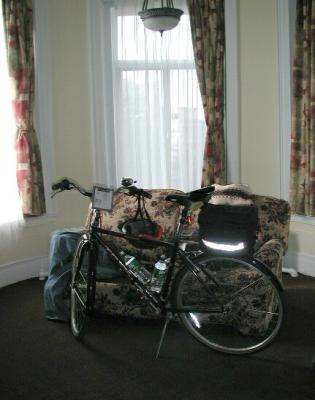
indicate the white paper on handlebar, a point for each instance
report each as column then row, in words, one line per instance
column 102, row 197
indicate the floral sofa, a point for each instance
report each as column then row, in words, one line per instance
column 119, row 297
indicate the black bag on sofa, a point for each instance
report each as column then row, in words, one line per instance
column 142, row 226
column 228, row 229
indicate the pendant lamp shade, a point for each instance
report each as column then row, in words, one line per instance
column 160, row 19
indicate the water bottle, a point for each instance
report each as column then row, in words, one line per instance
column 139, row 271
column 159, row 274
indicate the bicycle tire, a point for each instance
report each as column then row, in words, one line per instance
column 82, row 286
column 233, row 305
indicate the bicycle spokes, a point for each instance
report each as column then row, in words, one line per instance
column 237, row 312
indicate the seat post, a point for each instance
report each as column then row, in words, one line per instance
column 97, row 219
column 182, row 220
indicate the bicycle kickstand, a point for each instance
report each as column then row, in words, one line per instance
column 167, row 320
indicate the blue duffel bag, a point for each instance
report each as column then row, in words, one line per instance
column 57, row 287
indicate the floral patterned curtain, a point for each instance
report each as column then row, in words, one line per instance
column 302, row 185
column 18, row 24
column 208, row 36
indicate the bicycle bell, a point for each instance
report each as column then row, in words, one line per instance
column 127, row 182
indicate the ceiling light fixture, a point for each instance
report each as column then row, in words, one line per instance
column 160, row 19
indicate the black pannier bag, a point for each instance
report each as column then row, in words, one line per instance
column 231, row 230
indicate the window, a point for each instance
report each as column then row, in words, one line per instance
column 10, row 205
column 42, row 111
column 157, row 116
column 102, row 74
column 159, row 120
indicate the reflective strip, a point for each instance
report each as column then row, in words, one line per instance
column 223, row 246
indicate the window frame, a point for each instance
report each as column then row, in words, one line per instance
column 43, row 107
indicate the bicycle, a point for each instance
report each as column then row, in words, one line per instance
column 232, row 304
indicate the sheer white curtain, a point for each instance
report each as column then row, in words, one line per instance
column 11, row 216
column 159, row 120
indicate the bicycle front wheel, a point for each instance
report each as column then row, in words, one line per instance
column 229, row 305
column 82, row 286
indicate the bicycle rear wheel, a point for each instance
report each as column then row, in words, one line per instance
column 229, row 305
column 82, row 286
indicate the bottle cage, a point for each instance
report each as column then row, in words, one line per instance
column 141, row 225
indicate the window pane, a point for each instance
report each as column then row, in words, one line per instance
column 159, row 121
column 137, row 43
column 188, row 129
column 141, row 147
column 10, row 204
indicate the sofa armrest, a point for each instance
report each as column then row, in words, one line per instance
column 271, row 253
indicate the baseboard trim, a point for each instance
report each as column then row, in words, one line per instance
column 24, row 269
column 297, row 262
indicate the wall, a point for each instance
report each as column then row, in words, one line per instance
column 70, row 123
column 260, row 165
column 260, row 149
column 260, row 137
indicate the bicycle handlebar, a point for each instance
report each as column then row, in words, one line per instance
column 195, row 195
column 134, row 191
column 68, row 184
column 64, row 184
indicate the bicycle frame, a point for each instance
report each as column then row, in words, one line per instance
column 157, row 301
column 208, row 273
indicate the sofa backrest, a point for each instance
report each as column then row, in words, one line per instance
column 274, row 218
column 162, row 212
column 273, row 213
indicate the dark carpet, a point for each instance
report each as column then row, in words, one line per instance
column 40, row 359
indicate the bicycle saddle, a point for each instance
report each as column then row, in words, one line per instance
column 187, row 198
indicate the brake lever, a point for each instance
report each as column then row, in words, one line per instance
column 54, row 192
